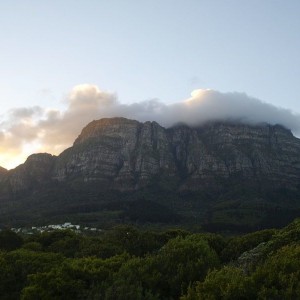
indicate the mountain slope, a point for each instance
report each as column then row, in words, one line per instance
column 215, row 174
column 126, row 154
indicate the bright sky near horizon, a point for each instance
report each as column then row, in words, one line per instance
column 137, row 51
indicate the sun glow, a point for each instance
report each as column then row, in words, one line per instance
column 196, row 95
column 10, row 161
column 13, row 159
column 199, row 93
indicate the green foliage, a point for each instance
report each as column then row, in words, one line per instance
column 144, row 211
column 184, row 260
column 56, row 284
column 276, row 276
column 169, row 272
column 136, row 279
column 137, row 242
column 98, row 247
column 46, row 239
column 9, row 240
column 236, row 207
column 227, row 283
column 15, row 266
column 237, row 245
column 129, row 239
column 215, row 241
column 129, row 263
column 33, row 246
column 74, row 279
column 288, row 235
column 122, row 290
column 279, row 276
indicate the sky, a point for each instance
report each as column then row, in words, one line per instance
column 64, row 63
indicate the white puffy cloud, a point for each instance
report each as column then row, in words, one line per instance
column 34, row 129
column 85, row 97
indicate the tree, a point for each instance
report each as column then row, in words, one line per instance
column 84, row 278
column 9, row 240
column 168, row 273
column 184, row 260
column 226, row 284
column 16, row 265
column 279, row 276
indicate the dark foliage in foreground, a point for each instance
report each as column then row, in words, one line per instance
column 129, row 263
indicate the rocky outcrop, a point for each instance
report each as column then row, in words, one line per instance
column 3, row 172
column 125, row 154
column 261, row 153
column 121, row 152
column 36, row 171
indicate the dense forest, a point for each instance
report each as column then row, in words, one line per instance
column 130, row 263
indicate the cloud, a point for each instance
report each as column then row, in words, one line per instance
column 86, row 97
column 35, row 129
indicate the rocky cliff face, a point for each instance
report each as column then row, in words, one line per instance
column 34, row 173
column 125, row 154
column 3, row 171
column 262, row 153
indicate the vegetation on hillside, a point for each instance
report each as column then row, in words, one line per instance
column 129, row 263
column 240, row 209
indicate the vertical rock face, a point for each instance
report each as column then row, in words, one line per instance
column 223, row 150
column 35, row 171
column 262, row 152
column 125, row 154
column 3, row 172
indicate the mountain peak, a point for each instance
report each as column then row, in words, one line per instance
column 127, row 153
column 105, row 126
column 38, row 157
column 118, row 154
column 3, row 172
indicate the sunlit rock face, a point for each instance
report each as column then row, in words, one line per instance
column 34, row 172
column 124, row 154
column 127, row 154
column 3, row 172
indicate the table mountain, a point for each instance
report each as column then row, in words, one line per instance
column 127, row 156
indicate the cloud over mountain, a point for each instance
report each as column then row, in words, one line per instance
column 35, row 129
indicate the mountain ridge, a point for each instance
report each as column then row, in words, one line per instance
column 175, row 149
column 193, row 167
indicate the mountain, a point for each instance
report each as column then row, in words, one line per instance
column 220, row 174
column 3, row 171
